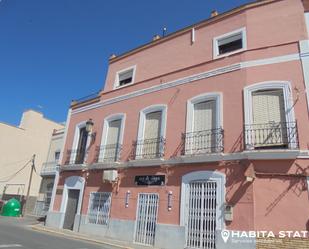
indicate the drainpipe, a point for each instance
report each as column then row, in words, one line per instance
column 82, row 200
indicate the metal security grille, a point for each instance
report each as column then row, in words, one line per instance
column 201, row 224
column 99, row 208
column 146, row 218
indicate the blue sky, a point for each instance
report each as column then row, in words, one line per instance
column 53, row 51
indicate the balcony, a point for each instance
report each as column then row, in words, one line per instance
column 75, row 157
column 49, row 168
column 149, row 148
column 203, row 142
column 108, row 153
column 272, row 135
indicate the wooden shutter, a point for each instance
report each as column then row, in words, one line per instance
column 204, row 116
column 113, row 133
column 268, row 106
column 268, row 128
column 153, row 125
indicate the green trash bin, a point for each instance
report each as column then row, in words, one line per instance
column 11, row 208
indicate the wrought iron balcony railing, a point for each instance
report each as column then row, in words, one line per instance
column 76, row 157
column 108, row 153
column 149, row 148
column 272, row 135
column 203, row 142
column 49, row 168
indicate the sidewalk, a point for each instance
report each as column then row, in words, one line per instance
column 113, row 244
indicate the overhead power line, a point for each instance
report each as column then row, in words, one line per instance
column 8, row 178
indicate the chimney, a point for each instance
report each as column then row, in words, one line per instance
column 214, row 13
column 156, row 37
column 112, row 56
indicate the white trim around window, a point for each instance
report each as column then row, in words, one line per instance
column 285, row 86
column 142, row 119
column 216, row 176
column 107, row 120
column 76, row 139
column 116, row 83
column 216, row 39
column 201, row 98
column 268, row 85
column 72, row 182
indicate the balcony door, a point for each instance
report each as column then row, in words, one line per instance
column 152, row 134
column 112, row 146
column 203, row 136
column 82, row 146
column 269, row 119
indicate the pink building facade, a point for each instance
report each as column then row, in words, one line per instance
column 198, row 132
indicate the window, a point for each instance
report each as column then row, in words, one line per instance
column 204, row 133
column 79, row 151
column 82, row 146
column 57, row 155
column 151, row 134
column 125, row 77
column 112, row 136
column 153, row 125
column 112, row 146
column 99, row 208
column 269, row 123
column 269, row 117
column 230, row 43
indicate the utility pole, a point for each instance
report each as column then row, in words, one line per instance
column 29, row 184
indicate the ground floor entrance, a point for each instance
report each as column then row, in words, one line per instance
column 201, row 225
column 146, row 219
column 71, row 209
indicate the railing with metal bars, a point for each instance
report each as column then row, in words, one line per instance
column 108, row 153
column 49, row 168
column 273, row 135
column 203, row 142
column 149, row 148
column 75, row 157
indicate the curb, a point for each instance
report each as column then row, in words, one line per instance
column 77, row 237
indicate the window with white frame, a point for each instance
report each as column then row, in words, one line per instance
column 204, row 133
column 99, row 208
column 269, row 117
column 151, row 133
column 81, row 149
column 110, row 151
column 229, row 43
column 125, row 77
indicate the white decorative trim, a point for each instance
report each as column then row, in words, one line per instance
column 306, row 16
column 67, row 123
column 192, row 35
column 201, row 98
column 72, row 182
column 107, row 120
column 116, row 83
column 243, row 33
column 191, row 78
column 269, row 61
column 216, row 176
column 267, row 85
column 201, row 158
column 304, row 49
column 308, row 184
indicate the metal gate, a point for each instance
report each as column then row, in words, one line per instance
column 201, row 225
column 146, row 219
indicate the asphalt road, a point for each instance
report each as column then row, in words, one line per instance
column 16, row 233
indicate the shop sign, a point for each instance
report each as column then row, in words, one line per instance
column 150, row 180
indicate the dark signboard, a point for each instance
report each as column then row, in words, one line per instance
column 150, row 180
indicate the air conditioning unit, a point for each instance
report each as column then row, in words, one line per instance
column 110, row 175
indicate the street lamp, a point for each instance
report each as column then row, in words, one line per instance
column 89, row 125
